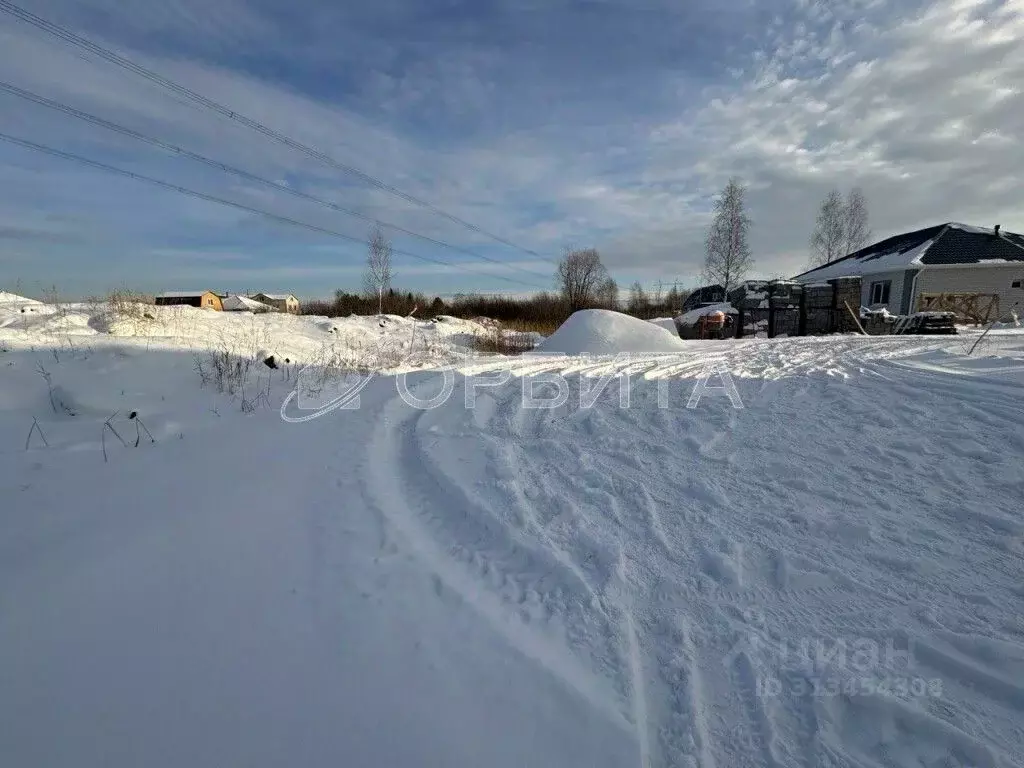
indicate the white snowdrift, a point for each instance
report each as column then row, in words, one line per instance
column 388, row 342
column 237, row 303
column 13, row 298
column 604, row 332
column 665, row 322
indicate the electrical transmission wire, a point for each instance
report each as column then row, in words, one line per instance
column 26, row 144
column 85, row 44
column 138, row 136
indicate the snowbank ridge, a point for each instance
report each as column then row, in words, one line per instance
column 603, row 332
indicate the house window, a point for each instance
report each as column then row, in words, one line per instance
column 209, row 302
column 880, row 292
column 1017, row 283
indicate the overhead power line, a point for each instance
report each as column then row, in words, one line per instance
column 138, row 136
column 85, row 44
column 26, row 144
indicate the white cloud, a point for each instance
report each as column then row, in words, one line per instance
column 922, row 121
column 921, row 108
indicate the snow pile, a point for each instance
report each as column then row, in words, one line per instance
column 385, row 342
column 694, row 315
column 236, row 303
column 665, row 322
column 604, row 332
column 13, row 298
column 13, row 306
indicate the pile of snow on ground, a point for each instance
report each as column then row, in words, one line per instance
column 603, row 332
column 13, row 298
column 385, row 342
column 665, row 322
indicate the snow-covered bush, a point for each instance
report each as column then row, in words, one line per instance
column 222, row 368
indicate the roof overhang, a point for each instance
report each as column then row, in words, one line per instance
column 976, row 264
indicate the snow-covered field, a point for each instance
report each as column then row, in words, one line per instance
column 389, row 341
column 832, row 575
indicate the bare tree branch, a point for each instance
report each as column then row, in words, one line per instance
column 638, row 300
column 377, row 278
column 829, row 238
column 857, row 233
column 580, row 276
column 727, row 253
column 841, row 227
column 608, row 293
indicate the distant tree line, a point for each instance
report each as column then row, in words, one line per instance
column 542, row 311
column 582, row 281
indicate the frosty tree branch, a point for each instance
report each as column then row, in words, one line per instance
column 841, row 227
column 829, row 236
column 727, row 253
column 855, row 219
column 582, row 278
column 377, row 278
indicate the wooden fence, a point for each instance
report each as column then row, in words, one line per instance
column 977, row 308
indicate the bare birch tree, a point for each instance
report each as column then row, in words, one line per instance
column 377, row 278
column 580, row 275
column 727, row 254
column 829, row 238
column 856, row 232
column 608, row 293
column 638, row 301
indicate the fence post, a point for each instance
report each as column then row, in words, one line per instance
column 802, row 322
column 834, row 314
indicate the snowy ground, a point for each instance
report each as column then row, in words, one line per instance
column 387, row 341
column 829, row 576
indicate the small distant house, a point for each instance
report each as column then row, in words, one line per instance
column 235, row 303
column 702, row 297
column 283, row 302
column 202, row 299
column 929, row 268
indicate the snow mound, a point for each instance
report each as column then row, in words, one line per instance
column 13, row 298
column 244, row 304
column 665, row 322
column 604, row 332
column 694, row 315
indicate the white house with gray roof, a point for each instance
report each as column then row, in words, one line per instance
column 283, row 302
column 944, row 259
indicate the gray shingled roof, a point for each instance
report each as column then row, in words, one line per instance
column 950, row 243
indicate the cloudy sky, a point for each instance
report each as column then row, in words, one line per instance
column 547, row 123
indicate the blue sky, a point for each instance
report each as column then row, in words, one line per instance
column 550, row 123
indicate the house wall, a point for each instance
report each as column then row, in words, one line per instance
column 177, row 301
column 212, row 301
column 208, row 300
column 291, row 304
column 895, row 302
column 977, row 278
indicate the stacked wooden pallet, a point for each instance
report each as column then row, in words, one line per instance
column 926, row 323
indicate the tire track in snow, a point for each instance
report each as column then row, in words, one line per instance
column 638, row 689
column 663, row 693
column 685, row 706
column 755, row 709
column 393, row 448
